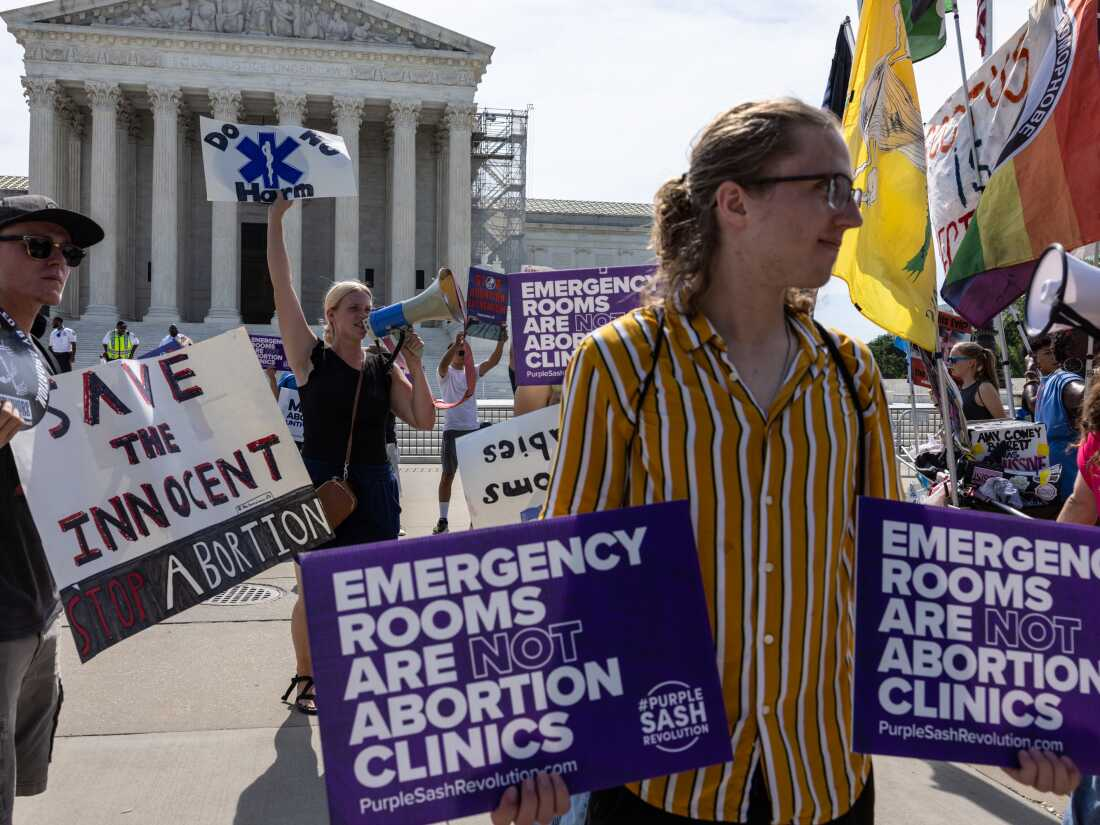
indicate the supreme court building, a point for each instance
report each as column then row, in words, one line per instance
column 115, row 90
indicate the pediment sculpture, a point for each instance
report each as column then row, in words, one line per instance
column 308, row 19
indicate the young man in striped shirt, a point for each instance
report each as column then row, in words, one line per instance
column 724, row 392
column 750, row 419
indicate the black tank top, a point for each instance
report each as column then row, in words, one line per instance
column 971, row 408
column 327, row 398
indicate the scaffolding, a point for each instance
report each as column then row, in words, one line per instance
column 499, row 212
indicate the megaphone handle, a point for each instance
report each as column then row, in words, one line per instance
column 396, row 350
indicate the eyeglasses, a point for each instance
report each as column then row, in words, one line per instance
column 956, row 359
column 40, row 248
column 839, row 193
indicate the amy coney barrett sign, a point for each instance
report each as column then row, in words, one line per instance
column 451, row 667
column 159, row 483
column 258, row 163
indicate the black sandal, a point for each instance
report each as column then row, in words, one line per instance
column 306, row 695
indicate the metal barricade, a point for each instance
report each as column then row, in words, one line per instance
column 910, row 431
column 424, row 446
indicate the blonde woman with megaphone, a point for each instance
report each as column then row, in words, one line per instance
column 346, row 393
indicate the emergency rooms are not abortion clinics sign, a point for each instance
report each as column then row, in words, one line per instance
column 256, row 163
column 157, row 484
column 553, row 311
column 976, row 636
column 451, row 667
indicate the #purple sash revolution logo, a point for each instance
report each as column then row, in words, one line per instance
column 451, row 667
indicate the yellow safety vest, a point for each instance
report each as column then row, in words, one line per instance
column 120, row 345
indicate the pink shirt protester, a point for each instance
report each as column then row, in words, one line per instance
column 1091, row 472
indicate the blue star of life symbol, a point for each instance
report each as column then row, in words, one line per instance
column 267, row 159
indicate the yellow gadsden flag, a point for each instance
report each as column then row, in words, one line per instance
column 888, row 262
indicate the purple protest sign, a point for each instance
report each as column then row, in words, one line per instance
column 269, row 349
column 975, row 636
column 451, row 667
column 486, row 304
column 553, row 311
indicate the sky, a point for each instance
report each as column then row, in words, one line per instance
column 619, row 88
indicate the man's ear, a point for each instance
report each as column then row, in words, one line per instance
column 730, row 201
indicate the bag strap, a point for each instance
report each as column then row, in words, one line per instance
column 846, row 374
column 354, row 414
column 646, row 384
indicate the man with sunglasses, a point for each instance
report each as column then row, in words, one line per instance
column 39, row 245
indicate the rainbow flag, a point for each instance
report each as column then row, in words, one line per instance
column 1035, row 103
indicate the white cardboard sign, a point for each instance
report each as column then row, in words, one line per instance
column 505, row 468
column 158, row 483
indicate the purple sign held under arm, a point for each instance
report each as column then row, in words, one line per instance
column 451, row 667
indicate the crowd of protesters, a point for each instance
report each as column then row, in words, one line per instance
column 723, row 353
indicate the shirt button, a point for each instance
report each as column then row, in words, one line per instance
column 769, row 639
column 769, row 568
column 765, row 710
column 768, row 501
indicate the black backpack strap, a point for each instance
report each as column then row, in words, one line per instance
column 851, row 384
column 646, row 384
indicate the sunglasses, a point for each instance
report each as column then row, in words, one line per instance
column 40, row 248
column 958, row 359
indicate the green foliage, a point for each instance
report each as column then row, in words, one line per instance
column 890, row 360
column 1016, row 351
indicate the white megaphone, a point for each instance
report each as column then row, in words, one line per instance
column 442, row 301
column 1064, row 294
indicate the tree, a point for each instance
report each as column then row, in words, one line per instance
column 890, row 360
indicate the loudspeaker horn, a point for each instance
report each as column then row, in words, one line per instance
column 442, row 301
column 1064, row 294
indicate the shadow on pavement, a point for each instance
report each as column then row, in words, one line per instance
column 1000, row 804
column 290, row 790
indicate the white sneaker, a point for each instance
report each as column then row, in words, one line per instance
column 400, row 531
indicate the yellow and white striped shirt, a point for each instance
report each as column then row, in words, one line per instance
column 772, row 498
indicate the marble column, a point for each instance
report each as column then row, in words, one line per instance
column 74, row 139
column 348, row 114
column 442, row 138
column 459, row 119
column 128, row 136
column 403, row 117
column 225, row 232
column 163, row 306
column 42, row 97
column 185, row 257
column 103, row 257
column 291, row 110
column 58, row 150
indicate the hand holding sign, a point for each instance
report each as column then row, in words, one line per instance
column 24, row 379
column 1045, row 772
column 10, row 423
column 536, row 800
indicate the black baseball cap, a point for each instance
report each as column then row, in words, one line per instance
column 83, row 231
